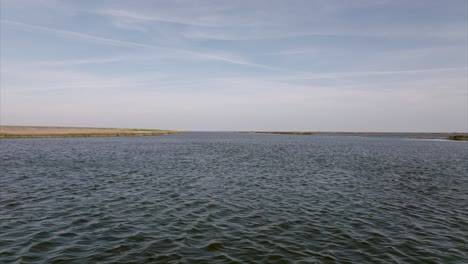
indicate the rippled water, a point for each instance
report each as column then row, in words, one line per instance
column 227, row 197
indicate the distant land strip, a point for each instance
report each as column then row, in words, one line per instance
column 58, row 132
column 420, row 135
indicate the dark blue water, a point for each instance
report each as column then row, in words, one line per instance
column 227, row 197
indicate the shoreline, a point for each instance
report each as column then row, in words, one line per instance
column 453, row 136
column 12, row 132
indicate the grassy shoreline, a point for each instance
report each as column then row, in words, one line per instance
column 416, row 135
column 68, row 132
column 458, row 137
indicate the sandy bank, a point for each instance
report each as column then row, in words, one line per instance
column 46, row 132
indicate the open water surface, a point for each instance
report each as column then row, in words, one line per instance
column 230, row 197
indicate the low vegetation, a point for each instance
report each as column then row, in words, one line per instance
column 458, row 137
column 450, row 136
column 283, row 132
column 52, row 132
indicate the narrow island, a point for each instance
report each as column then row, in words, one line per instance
column 423, row 135
column 459, row 137
column 54, row 132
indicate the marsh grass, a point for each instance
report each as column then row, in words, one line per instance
column 450, row 136
column 53, row 132
column 458, row 137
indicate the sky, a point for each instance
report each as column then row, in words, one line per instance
column 313, row 65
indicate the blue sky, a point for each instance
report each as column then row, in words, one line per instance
column 364, row 65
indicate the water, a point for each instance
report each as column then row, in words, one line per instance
column 227, row 198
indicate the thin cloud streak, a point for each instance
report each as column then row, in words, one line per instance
column 83, row 61
column 129, row 44
column 136, row 16
column 77, row 35
column 367, row 73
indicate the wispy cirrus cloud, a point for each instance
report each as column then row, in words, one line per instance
column 231, row 21
column 334, row 75
column 126, row 16
column 16, row 79
column 77, row 35
column 183, row 53
column 86, row 61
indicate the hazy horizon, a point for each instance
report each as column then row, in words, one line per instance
column 372, row 66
